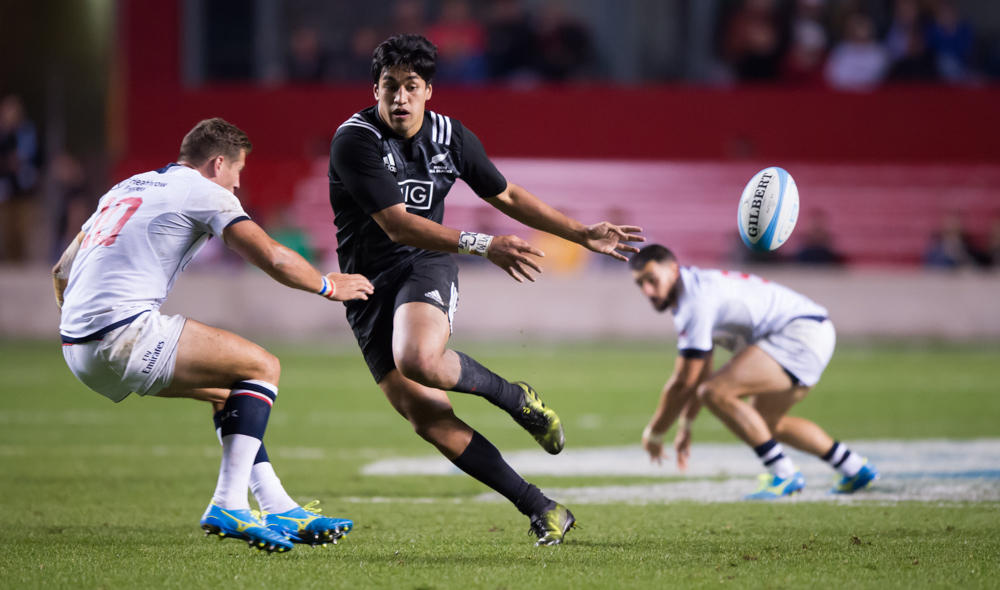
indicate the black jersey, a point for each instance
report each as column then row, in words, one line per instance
column 372, row 168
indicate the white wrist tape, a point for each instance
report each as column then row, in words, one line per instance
column 328, row 288
column 649, row 435
column 473, row 243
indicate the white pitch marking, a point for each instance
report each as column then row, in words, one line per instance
column 921, row 470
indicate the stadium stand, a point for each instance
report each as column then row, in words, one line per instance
column 877, row 214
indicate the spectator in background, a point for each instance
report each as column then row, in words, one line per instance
column 407, row 17
column 817, row 247
column 905, row 22
column 307, row 62
column 917, row 64
column 73, row 202
column 951, row 39
column 858, row 62
column 564, row 44
column 803, row 65
column 461, row 43
column 511, row 49
column 19, row 165
column 354, row 63
column 952, row 247
column 752, row 41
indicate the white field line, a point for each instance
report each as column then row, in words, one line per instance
column 922, row 470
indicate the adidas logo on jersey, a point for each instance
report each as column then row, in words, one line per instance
column 435, row 296
column 390, row 163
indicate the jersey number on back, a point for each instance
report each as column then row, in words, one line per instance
column 110, row 222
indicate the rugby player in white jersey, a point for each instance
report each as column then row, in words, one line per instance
column 111, row 282
column 781, row 343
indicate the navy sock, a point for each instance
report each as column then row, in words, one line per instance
column 261, row 454
column 483, row 461
column 478, row 380
column 247, row 410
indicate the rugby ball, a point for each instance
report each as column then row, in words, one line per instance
column 769, row 209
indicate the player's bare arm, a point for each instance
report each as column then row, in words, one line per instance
column 60, row 272
column 508, row 252
column 604, row 238
column 288, row 267
column 682, row 440
column 678, row 392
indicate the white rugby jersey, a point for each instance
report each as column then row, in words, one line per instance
column 145, row 231
column 732, row 309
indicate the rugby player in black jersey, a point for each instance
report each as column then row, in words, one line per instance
column 391, row 167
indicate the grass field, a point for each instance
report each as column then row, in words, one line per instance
column 96, row 495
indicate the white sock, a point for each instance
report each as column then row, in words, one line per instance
column 843, row 460
column 774, row 458
column 238, row 454
column 268, row 491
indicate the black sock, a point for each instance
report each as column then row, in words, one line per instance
column 478, row 380
column 483, row 461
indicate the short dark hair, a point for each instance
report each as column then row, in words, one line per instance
column 412, row 51
column 652, row 252
column 212, row 138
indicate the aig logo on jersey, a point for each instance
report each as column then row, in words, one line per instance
column 417, row 194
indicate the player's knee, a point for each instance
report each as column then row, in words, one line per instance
column 711, row 394
column 428, row 424
column 268, row 367
column 417, row 365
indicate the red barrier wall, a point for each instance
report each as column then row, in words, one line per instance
column 773, row 124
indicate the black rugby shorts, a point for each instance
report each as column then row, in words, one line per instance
column 432, row 280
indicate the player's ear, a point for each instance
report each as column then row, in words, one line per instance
column 430, row 90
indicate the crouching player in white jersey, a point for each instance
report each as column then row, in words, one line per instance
column 111, row 282
column 781, row 343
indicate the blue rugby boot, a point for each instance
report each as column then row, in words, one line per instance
column 242, row 524
column 862, row 479
column 772, row 487
column 304, row 524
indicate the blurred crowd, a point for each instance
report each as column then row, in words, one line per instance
column 42, row 203
column 845, row 44
column 504, row 42
column 853, row 44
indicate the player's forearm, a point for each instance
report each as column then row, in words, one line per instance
column 424, row 233
column 690, row 412
column 676, row 396
column 519, row 204
column 60, row 272
column 289, row 268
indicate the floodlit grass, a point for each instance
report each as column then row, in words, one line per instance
column 94, row 494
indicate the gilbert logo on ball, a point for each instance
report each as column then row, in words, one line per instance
column 769, row 209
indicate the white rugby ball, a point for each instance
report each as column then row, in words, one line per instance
column 769, row 209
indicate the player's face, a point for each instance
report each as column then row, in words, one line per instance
column 401, row 95
column 227, row 171
column 657, row 280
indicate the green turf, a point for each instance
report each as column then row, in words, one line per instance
column 94, row 494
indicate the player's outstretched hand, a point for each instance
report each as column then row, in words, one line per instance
column 350, row 287
column 653, row 445
column 511, row 254
column 682, row 444
column 607, row 238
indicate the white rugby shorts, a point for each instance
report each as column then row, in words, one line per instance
column 138, row 357
column 803, row 348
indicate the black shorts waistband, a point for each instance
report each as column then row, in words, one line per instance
column 98, row 335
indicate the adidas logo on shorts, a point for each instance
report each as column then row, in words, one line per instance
column 435, row 296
